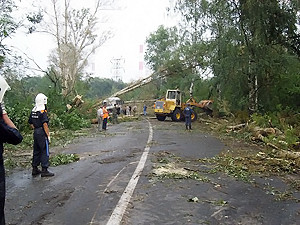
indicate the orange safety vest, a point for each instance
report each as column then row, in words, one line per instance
column 105, row 113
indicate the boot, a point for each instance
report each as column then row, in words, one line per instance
column 35, row 171
column 186, row 127
column 190, row 127
column 46, row 173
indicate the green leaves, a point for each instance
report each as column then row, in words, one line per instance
column 161, row 46
column 62, row 159
column 7, row 26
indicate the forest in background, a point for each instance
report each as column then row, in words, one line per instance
column 244, row 55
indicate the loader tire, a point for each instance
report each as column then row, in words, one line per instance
column 194, row 116
column 160, row 118
column 176, row 116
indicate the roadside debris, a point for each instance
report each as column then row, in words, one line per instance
column 280, row 153
column 194, row 199
column 169, row 166
column 62, row 159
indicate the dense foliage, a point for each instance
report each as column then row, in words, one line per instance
column 99, row 88
column 20, row 103
column 243, row 54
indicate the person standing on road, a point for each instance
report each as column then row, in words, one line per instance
column 99, row 117
column 134, row 110
column 8, row 134
column 145, row 110
column 38, row 121
column 127, row 111
column 105, row 117
column 187, row 112
column 115, row 114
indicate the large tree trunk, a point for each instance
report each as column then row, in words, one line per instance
column 253, row 94
column 76, row 41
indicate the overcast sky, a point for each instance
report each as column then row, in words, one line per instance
column 131, row 21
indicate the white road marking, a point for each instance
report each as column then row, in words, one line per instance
column 117, row 215
column 117, row 176
column 107, row 189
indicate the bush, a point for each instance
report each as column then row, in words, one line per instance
column 261, row 120
column 242, row 116
column 19, row 114
column 62, row 159
column 286, row 121
column 73, row 121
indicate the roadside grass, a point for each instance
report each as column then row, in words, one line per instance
column 62, row 159
column 248, row 158
column 280, row 195
column 20, row 156
column 244, row 164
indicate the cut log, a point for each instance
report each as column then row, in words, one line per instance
column 94, row 121
column 288, row 154
column 237, row 127
column 272, row 146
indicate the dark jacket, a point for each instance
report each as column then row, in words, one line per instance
column 8, row 135
column 187, row 112
column 11, row 136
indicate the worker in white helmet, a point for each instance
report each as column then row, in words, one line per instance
column 8, row 134
column 38, row 120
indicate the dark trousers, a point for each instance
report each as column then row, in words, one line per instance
column 188, row 121
column 40, row 148
column 2, row 192
column 104, row 124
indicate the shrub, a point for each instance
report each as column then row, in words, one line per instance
column 62, row 159
column 73, row 121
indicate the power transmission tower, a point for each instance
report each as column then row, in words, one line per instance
column 117, row 68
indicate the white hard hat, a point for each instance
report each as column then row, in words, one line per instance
column 3, row 87
column 40, row 102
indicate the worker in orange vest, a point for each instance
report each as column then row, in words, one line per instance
column 105, row 117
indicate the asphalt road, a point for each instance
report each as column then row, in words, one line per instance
column 116, row 182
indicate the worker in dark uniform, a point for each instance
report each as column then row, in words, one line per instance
column 187, row 112
column 38, row 120
column 8, row 134
column 115, row 114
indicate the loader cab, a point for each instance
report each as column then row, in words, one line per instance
column 174, row 95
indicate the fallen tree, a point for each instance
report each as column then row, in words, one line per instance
column 264, row 134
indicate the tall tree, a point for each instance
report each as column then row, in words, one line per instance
column 76, row 40
column 7, row 26
column 181, row 52
column 251, row 47
column 193, row 33
column 162, row 56
column 161, row 46
column 250, row 43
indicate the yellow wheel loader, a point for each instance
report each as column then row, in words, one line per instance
column 172, row 106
